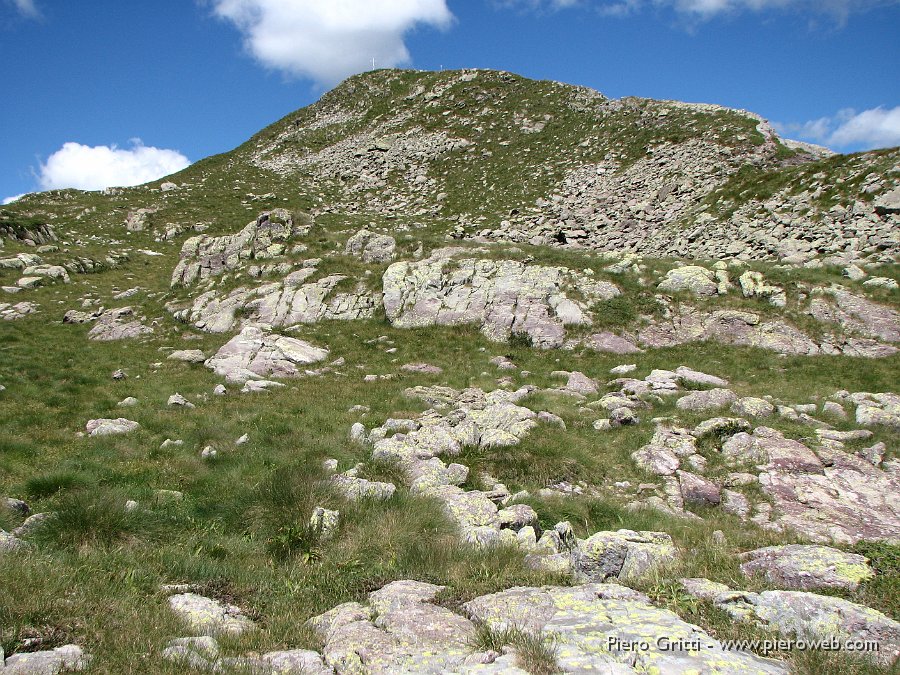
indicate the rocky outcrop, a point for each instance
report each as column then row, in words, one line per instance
column 284, row 303
column 205, row 257
column 593, row 627
column 844, row 500
column 502, row 297
column 35, row 233
column 684, row 324
column 254, row 354
column 856, row 314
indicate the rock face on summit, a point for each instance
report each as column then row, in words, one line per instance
column 501, row 297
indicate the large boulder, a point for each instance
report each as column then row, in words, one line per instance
column 624, row 554
column 254, row 354
column 371, row 247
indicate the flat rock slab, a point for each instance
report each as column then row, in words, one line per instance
column 700, row 401
column 208, row 616
column 605, row 628
column 806, row 567
column 254, row 354
column 843, row 503
column 825, row 617
column 808, row 616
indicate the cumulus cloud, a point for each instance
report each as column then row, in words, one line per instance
column 14, row 198
column 96, row 167
column 869, row 129
column 327, row 41
column 707, row 9
column 26, row 8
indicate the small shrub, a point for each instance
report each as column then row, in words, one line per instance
column 520, row 340
column 292, row 541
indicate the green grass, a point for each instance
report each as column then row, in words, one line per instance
column 241, row 532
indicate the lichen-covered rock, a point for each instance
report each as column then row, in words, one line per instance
column 355, row 489
column 753, row 285
column 751, row 406
column 110, row 427
column 371, row 247
column 624, row 554
column 208, row 616
column 67, row 658
column 612, row 629
column 824, row 618
column 502, row 297
column 692, row 278
column 410, row 634
column 807, row 567
column 873, row 410
column 254, row 354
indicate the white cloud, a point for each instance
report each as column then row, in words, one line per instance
column 707, row 9
column 329, row 40
column 869, row 129
column 94, row 168
column 27, row 8
column 14, row 198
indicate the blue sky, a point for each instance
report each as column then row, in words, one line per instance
column 82, row 81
